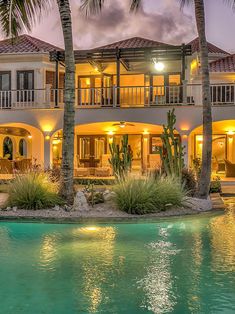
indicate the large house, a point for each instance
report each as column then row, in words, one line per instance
column 126, row 87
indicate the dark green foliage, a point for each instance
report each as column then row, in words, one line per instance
column 215, row 186
column 121, row 158
column 172, row 151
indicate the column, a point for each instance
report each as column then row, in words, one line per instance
column 184, row 140
column 47, row 151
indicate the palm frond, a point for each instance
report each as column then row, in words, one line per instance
column 92, row 7
column 17, row 16
column 183, row 3
column 231, row 3
column 135, row 4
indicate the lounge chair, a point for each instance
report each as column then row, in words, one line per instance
column 229, row 168
column 105, row 169
column 154, row 162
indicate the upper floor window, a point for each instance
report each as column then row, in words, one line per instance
column 25, row 80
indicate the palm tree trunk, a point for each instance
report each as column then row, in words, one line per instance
column 204, row 182
column 69, row 99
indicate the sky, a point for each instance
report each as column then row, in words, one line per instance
column 160, row 20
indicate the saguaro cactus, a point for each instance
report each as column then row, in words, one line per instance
column 172, row 151
column 121, row 158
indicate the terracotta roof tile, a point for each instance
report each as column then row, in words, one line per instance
column 134, row 42
column 226, row 64
column 211, row 48
column 25, row 44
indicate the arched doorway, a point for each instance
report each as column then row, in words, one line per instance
column 8, row 148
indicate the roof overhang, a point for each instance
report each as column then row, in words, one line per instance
column 164, row 52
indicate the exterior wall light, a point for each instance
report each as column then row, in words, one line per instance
column 47, row 136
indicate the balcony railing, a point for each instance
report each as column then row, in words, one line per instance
column 124, row 97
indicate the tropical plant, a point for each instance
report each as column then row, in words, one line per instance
column 121, row 158
column 215, row 186
column 189, row 181
column 18, row 15
column 171, row 151
column 34, row 190
column 141, row 196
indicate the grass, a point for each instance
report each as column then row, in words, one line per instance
column 142, row 196
column 34, row 190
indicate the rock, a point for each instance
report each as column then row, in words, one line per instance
column 108, row 195
column 199, row 204
column 8, row 208
column 67, row 208
column 56, row 207
column 14, row 208
column 80, row 202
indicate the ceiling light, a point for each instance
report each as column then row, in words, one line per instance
column 159, row 66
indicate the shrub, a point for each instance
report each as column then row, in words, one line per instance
column 189, row 181
column 34, row 190
column 142, row 196
column 215, row 186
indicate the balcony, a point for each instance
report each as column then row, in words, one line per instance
column 121, row 97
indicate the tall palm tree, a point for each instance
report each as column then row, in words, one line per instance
column 15, row 17
column 94, row 6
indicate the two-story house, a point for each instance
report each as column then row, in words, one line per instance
column 126, row 87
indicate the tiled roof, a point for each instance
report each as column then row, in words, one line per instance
column 211, row 48
column 25, row 44
column 134, row 42
column 226, row 64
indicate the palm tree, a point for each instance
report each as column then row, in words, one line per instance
column 94, row 6
column 18, row 15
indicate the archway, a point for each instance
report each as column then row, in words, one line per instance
column 223, row 145
column 91, row 144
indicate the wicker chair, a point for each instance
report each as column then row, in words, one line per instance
column 6, row 166
column 23, row 165
column 154, row 162
column 229, row 168
column 105, row 169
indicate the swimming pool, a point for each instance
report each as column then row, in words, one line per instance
column 183, row 265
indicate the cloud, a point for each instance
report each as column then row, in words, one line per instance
column 163, row 22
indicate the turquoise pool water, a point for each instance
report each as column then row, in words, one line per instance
column 180, row 266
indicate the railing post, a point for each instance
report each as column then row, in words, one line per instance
column 114, row 96
column 48, row 95
column 185, row 91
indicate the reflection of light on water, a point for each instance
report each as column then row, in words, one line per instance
column 97, row 265
column 158, row 282
column 48, row 251
column 222, row 229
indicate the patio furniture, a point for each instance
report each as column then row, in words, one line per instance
column 6, row 166
column 154, row 162
column 81, row 172
column 102, row 172
column 229, row 168
column 220, row 165
column 23, row 165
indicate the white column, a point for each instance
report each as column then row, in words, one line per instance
column 47, row 152
column 184, row 139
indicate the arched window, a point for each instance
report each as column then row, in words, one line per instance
column 7, row 148
column 23, row 147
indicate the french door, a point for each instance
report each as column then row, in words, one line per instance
column 25, row 86
column 5, row 89
column 91, row 148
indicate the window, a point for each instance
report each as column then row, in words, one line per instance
column 5, row 87
column 25, row 86
column 23, row 147
column 7, row 148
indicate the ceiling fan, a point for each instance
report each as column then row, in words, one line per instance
column 123, row 124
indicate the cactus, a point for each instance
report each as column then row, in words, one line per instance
column 172, row 151
column 121, row 158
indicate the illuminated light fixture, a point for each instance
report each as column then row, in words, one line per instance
column 146, row 132
column 159, row 66
column 230, row 132
column 110, row 133
column 47, row 137
column 96, row 69
column 29, row 136
column 123, row 124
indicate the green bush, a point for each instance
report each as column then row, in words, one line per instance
column 34, row 190
column 142, row 196
column 215, row 186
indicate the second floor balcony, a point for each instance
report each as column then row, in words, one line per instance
column 112, row 97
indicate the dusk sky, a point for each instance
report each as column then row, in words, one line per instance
column 160, row 20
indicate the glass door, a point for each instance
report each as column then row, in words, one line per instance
column 5, row 87
column 90, row 149
column 25, row 86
